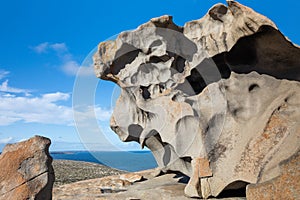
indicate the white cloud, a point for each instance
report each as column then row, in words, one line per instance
column 21, row 105
column 3, row 74
column 9, row 95
column 41, row 48
column 45, row 46
column 6, row 140
column 59, row 47
column 86, row 114
column 52, row 97
column 7, row 120
column 102, row 114
column 42, row 109
column 68, row 64
column 45, row 109
column 73, row 68
column 5, row 88
column 70, row 67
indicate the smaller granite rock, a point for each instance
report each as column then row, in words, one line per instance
column 26, row 170
column 131, row 177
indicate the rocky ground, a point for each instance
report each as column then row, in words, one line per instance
column 67, row 171
column 142, row 185
column 85, row 181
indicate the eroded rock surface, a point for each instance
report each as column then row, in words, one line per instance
column 165, row 187
column 217, row 99
column 26, row 170
column 99, row 188
column 285, row 186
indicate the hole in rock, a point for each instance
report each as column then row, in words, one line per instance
column 187, row 159
column 235, row 189
column 178, row 63
column 125, row 55
column 222, row 10
column 218, row 11
column 158, row 59
column 193, row 84
column 267, row 52
column 110, row 190
column 207, row 72
column 242, row 55
column 155, row 43
column 161, row 88
column 175, row 97
column 253, row 87
column 223, row 68
column 263, row 52
column 145, row 92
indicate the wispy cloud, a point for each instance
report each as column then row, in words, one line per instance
column 102, row 114
column 3, row 73
column 73, row 68
column 69, row 65
column 59, row 47
column 6, row 140
column 58, row 96
column 86, row 114
column 4, row 87
column 41, row 48
column 46, row 46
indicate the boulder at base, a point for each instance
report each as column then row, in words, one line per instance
column 26, row 170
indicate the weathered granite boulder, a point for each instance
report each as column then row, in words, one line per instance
column 26, row 170
column 217, row 99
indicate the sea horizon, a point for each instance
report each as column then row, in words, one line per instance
column 123, row 160
column 72, row 151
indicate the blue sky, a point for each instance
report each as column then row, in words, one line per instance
column 43, row 44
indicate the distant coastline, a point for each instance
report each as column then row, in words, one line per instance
column 121, row 160
column 75, row 151
column 62, row 152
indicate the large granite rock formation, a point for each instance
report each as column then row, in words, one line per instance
column 217, row 99
column 26, row 170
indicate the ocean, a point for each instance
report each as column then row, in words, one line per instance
column 123, row 160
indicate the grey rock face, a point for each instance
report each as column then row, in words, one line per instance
column 26, row 170
column 217, row 99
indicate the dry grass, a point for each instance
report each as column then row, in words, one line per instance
column 67, row 171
